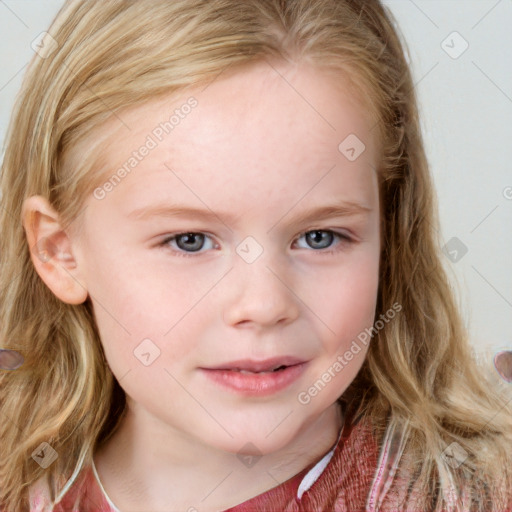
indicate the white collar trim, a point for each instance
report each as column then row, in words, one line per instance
column 314, row 473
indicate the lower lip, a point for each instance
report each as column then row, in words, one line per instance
column 256, row 384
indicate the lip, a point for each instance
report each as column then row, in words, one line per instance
column 255, row 384
column 259, row 366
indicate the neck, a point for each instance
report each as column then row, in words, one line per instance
column 141, row 471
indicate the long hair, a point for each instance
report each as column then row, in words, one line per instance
column 104, row 56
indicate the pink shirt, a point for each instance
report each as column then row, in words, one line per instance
column 357, row 474
column 350, row 463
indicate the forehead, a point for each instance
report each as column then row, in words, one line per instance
column 257, row 130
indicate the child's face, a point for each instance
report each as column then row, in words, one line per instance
column 256, row 152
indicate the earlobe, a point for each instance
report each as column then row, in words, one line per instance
column 51, row 251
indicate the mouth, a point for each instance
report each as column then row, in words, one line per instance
column 267, row 380
column 238, row 370
column 247, row 366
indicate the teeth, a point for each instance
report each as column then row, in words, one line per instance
column 268, row 371
column 246, row 371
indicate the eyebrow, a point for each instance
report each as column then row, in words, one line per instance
column 342, row 209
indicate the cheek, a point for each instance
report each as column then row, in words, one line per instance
column 133, row 304
column 346, row 303
column 348, row 310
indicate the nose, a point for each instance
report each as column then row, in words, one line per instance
column 261, row 297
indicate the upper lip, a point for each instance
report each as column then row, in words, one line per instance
column 259, row 366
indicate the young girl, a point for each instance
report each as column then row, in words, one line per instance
column 220, row 263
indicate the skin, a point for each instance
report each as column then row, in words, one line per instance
column 262, row 145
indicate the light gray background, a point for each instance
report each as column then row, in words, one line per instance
column 466, row 104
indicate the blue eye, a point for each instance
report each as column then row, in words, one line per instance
column 315, row 238
column 192, row 242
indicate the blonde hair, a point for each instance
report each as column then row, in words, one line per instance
column 114, row 54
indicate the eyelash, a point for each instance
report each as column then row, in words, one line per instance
column 179, row 252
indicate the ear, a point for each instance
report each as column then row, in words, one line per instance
column 50, row 250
